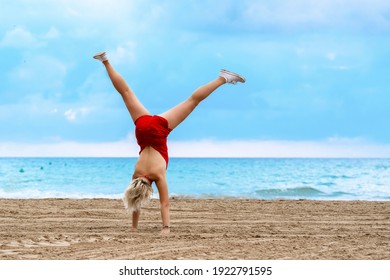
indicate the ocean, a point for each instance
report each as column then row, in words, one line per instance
column 262, row 178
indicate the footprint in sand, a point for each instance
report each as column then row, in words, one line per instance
column 56, row 241
column 7, row 252
column 43, row 241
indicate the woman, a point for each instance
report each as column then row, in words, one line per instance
column 151, row 133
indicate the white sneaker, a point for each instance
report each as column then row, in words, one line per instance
column 231, row 77
column 102, row 56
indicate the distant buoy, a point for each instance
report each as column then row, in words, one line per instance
column 21, row 170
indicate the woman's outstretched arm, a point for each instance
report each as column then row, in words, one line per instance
column 162, row 187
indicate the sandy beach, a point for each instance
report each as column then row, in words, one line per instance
column 201, row 229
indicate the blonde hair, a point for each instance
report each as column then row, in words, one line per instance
column 137, row 194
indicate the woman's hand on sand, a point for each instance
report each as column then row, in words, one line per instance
column 166, row 229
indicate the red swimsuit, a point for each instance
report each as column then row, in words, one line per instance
column 153, row 131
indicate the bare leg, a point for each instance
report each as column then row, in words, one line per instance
column 180, row 112
column 135, row 107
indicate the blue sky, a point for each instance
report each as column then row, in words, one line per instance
column 317, row 76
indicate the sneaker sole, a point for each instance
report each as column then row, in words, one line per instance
column 99, row 54
column 234, row 74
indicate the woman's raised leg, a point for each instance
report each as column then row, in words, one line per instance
column 134, row 106
column 180, row 112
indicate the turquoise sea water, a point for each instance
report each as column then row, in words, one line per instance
column 319, row 179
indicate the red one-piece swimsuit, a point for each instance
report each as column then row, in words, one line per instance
column 153, row 131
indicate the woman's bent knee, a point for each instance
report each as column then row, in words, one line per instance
column 194, row 100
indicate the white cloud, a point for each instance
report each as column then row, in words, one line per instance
column 334, row 147
column 69, row 149
column 52, row 33
column 39, row 72
column 75, row 18
column 72, row 114
column 19, row 37
column 66, row 9
column 331, row 148
column 322, row 13
column 331, row 56
column 124, row 53
column 88, row 9
column 341, row 68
